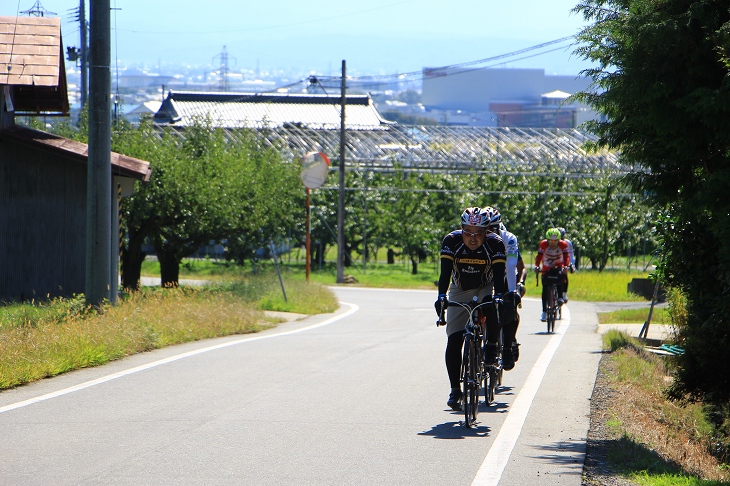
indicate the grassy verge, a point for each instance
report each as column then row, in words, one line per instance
column 46, row 339
column 586, row 285
column 660, row 315
column 654, row 441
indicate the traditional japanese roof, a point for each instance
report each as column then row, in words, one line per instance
column 269, row 110
column 31, row 62
column 122, row 165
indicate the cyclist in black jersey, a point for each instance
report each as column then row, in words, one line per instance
column 472, row 264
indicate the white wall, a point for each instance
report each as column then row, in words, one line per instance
column 473, row 90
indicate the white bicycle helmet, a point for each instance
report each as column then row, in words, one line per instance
column 494, row 219
column 474, row 217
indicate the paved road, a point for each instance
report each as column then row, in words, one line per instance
column 356, row 397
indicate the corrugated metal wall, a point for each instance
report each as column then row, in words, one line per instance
column 42, row 224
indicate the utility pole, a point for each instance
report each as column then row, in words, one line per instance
column 341, row 198
column 99, row 175
column 84, row 53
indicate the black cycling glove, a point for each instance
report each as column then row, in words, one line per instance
column 441, row 304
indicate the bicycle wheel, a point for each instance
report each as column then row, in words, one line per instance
column 494, row 381
column 500, row 347
column 490, row 385
column 470, row 382
column 552, row 301
column 483, row 376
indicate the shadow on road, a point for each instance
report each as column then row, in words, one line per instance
column 456, row 430
column 572, row 452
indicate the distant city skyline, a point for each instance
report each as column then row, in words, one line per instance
column 374, row 38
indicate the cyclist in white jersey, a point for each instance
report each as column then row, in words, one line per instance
column 510, row 352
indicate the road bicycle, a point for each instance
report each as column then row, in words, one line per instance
column 472, row 363
column 494, row 371
column 475, row 376
column 554, row 302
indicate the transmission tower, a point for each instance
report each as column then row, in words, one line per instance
column 37, row 10
column 223, row 70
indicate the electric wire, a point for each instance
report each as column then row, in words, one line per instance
column 447, row 70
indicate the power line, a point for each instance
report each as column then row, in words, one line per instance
column 504, row 192
column 462, row 64
column 398, row 78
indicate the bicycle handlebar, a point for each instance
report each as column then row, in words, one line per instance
column 470, row 307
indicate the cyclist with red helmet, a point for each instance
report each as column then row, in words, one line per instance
column 553, row 255
column 472, row 264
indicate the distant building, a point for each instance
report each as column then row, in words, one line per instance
column 148, row 108
column 269, row 110
column 136, row 79
column 503, row 97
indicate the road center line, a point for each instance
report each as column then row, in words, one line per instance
column 496, row 460
column 353, row 308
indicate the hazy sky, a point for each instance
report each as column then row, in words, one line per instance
column 373, row 36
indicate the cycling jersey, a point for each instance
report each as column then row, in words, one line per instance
column 552, row 258
column 472, row 269
column 571, row 253
column 513, row 254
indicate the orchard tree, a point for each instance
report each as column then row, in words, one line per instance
column 203, row 188
column 661, row 78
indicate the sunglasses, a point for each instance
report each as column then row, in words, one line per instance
column 473, row 235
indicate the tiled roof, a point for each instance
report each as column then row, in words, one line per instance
column 31, row 64
column 121, row 164
column 269, row 110
column 30, row 51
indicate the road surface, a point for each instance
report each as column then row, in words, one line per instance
column 356, row 397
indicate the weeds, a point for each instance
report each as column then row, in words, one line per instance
column 647, row 427
column 47, row 339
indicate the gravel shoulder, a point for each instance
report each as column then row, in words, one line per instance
column 597, row 469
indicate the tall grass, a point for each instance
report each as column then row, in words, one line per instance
column 46, row 339
column 647, row 427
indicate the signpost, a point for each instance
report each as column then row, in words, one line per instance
column 315, row 167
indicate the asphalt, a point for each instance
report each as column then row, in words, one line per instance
column 655, row 332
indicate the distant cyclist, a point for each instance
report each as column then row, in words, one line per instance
column 514, row 269
column 571, row 253
column 552, row 260
column 472, row 263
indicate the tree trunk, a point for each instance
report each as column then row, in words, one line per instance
column 414, row 265
column 391, row 256
column 132, row 258
column 169, row 268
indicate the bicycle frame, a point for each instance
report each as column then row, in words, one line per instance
column 474, row 374
column 494, row 371
column 553, row 302
column 472, row 363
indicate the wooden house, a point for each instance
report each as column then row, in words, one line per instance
column 43, row 177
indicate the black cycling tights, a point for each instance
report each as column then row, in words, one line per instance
column 453, row 357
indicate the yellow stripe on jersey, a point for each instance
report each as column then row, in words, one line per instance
column 448, row 257
column 500, row 260
column 473, row 261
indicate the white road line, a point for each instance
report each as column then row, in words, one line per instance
column 353, row 308
column 493, row 466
